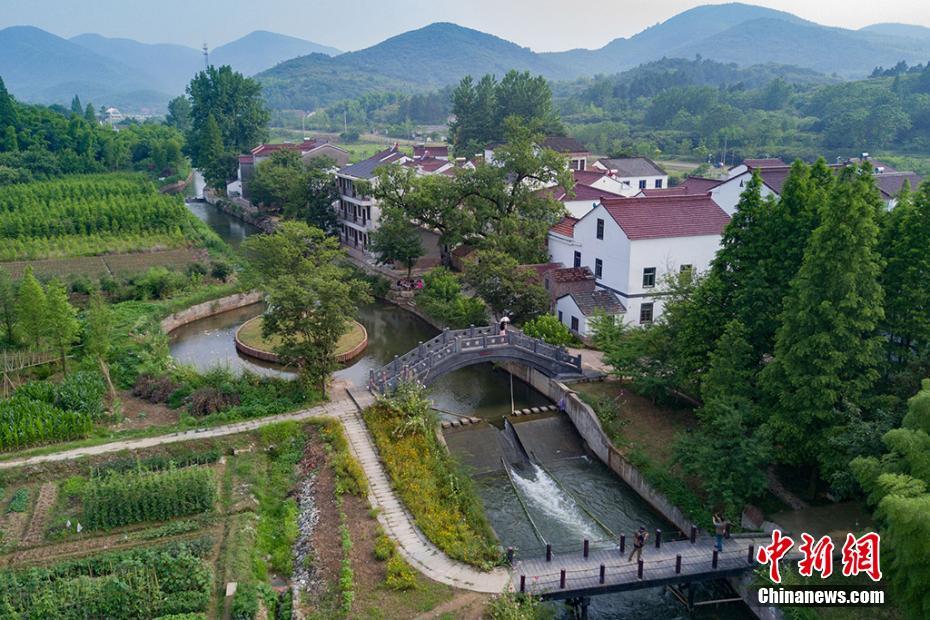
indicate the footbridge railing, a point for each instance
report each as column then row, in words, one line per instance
column 454, row 349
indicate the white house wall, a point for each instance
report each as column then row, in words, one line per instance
column 567, row 306
column 727, row 194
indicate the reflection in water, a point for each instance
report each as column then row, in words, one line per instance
column 229, row 229
column 477, row 390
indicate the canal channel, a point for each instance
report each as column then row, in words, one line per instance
column 538, row 482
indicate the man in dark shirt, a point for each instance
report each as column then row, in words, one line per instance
column 639, row 541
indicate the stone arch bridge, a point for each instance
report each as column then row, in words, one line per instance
column 455, row 349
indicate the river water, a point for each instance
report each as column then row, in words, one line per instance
column 561, row 496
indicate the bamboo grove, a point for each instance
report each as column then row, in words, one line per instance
column 120, row 499
column 91, row 215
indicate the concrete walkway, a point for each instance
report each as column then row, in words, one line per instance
column 398, row 523
column 394, row 518
column 592, row 359
column 335, row 409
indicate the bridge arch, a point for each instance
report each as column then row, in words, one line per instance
column 455, row 349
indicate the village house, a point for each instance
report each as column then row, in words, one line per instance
column 774, row 172
column 590, row 186
column 309, row 150
column 632, row 245
column 577, row 308
column 633, row 173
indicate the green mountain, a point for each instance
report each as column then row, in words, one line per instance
column 441, row 54
column 39, row 66
column 42, row 67
column 262, row 50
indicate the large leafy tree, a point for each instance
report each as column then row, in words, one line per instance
column 397, row 240
column 98, row 334
column 499, row 280
column 179, row 114
column 310, row 294
column 827, row 347
column 303, row 191
column 494, row 206
column 8, row 306
column 481, row 110
column 235, row 104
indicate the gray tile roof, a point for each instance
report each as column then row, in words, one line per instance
column 365, row 169
column 633, row 167
column 590, row 302
column 890, row 183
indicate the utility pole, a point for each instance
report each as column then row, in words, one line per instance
column 206, row 56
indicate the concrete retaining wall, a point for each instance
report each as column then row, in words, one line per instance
column 589, row 427
column 209, row 308
column 269, row 356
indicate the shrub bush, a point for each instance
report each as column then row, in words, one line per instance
column 82, row 391
column 154, row 389
column 548, row 328
column 399, row 574
column 384, row 547
column 20, row 501
column 208, row 399
column 245, row 602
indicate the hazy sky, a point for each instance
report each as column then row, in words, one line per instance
column 543, row 25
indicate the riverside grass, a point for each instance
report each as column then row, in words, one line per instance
column 440, row 497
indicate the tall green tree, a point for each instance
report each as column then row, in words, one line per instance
column 897, row 486
column 906, row 249
column 397, row 240
column 179, row 114
column 235, row 103
column 76, row 108
column 303, row 191
column 8, row 306
column 89, row 115
column 216, row 169
column 61, row 324
column 31, row 310
column 98, row 334
column 310, row 293
column 481, row 110
column 9, row 120
column 827, row 348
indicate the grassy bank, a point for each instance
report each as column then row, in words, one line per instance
column 438, row 494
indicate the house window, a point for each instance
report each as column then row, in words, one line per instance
column 658, row 183
column 577, row 259
column 642, row 184
column 649, row 277
column 560, row 317
column 574, row 323
column 546, row 282
column 600, row 228
column 598, row 268
column 645, row 313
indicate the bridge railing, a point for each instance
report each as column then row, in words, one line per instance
column 417, row 362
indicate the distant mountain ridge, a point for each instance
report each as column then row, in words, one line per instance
column 442, row 53
column 39, row 66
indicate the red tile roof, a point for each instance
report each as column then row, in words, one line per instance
column 565, row 227
column 421, row 151
column 678, row 190
column 246, row 159
column 571, row 274
column 766, row 162
column 663, row 217
column 699, row 185
column 263, row 150
column 540, row 269
column 582, row 192
column 588, row 177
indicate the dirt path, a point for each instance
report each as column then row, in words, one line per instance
column 465, row 606
column 35, row 533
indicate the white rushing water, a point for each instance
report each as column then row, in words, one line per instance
column 542, row 493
